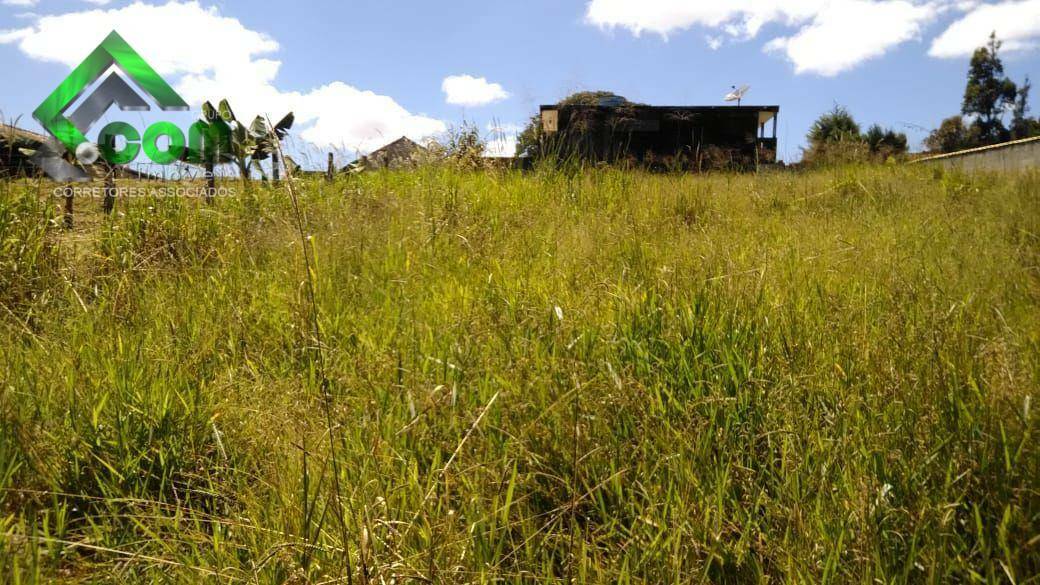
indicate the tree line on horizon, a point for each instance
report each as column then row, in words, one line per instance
column 989, row 95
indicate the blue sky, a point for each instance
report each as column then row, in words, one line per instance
column 360, row 73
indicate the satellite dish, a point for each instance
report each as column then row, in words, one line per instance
column 737, row 94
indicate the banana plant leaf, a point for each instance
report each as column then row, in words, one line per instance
column 259, row 127
column 225, row 111
column 209, row 113
column 240, row 136
column 284, row 125
column 260, row 153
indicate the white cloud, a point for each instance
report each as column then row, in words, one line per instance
column 225, row 59
column 21, row 3
column 381, row 119
column 466, row 90
column 735, row 17
column 830, row 36
column 1016, row 23
column 849, row 32
column 502, row 139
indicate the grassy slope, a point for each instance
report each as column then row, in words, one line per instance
column 609, row 377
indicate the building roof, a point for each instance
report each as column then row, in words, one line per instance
column 8, row 132
column 736, row 109
column 400, row 152
column 763, row 113
column 403, row 146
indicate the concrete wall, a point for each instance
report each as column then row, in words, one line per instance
column 1009, row 156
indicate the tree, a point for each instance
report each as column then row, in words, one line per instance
column 837, row 125
column 528, row 140
column 952, row 135
column 875, row 136
column 988, row 93
column 835, row 138
column 987, row 97
column 1021, row 125
column 885, row 142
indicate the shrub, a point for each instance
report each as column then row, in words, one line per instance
column 952, row 135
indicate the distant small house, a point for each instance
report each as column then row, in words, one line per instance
column 691, row 137
column 402, row 153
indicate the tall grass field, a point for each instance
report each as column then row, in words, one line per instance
column 608, row 376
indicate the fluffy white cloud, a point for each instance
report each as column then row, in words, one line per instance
column 382, row 119
column 225, row 59
column 466, row 90
column 848, row 32
column 1016, row 23
column 830, row 36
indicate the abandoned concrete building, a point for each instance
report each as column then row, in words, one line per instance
column 689, row 137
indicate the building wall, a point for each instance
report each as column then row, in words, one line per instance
column 660, row 136
column 1010, row 156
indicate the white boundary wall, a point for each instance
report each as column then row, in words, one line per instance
column 1016, row 155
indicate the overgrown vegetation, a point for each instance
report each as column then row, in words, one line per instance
column 608, row 376
column 464, row 148
column 835, row 139
column 530, row 140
